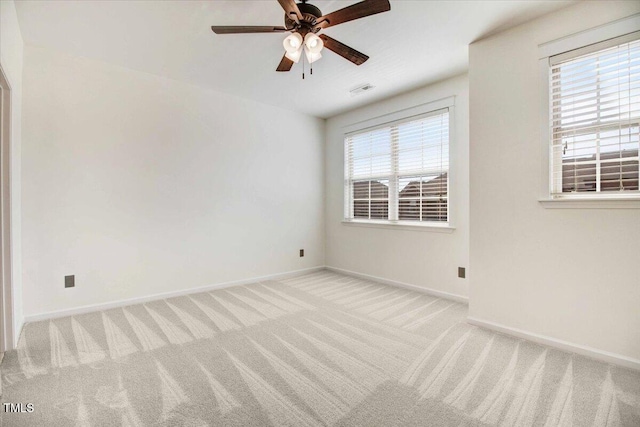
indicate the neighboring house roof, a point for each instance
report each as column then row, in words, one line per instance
column 579, row 174
column 434, row 208
column 437, row 187
column 361, row 189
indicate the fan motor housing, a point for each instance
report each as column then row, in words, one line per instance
column 310, row 14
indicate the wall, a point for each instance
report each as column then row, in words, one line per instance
column 140, row 185
column 564, row 274
column 425, row 259
column 11, row 60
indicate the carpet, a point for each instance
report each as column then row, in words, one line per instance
column 313, row 350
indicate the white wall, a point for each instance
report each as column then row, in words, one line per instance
column 11, row 51
column 421, row 258
column 571, row 275
column 141, row 185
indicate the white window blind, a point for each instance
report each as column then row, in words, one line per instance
column 595, row 117
column 400, row 171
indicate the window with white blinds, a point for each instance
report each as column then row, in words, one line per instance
column 399, row 172
column 595, row 117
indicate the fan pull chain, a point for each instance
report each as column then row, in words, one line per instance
column 302, row 67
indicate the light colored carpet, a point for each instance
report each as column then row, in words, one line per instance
column 319, row 349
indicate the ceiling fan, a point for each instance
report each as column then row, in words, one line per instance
column 304, row 21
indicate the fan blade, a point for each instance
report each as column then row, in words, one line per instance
column 291, row 8
column 246, row 29
column 343, row 50
column 285, row 64
column 355, row 11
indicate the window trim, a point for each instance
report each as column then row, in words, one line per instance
column 399, row 225
column 387, row 119
column 577, row 43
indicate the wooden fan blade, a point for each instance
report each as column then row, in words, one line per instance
column 343, row 50
column 246, row 29
column 355, row 11
column 291, row 8
column 285, row 64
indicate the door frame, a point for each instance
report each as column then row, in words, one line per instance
column 6, row 277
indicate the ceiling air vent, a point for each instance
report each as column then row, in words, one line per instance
column 362, row 89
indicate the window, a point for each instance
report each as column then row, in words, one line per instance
column 399, row 172
column 594, row 104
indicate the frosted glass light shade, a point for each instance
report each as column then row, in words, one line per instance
column 294, row 56
column 313, row 43
column 292, row 43
column 312, row 57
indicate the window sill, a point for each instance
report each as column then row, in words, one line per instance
column 592, row 203
column 401, row 226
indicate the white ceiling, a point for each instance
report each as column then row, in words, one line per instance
column 416, row 43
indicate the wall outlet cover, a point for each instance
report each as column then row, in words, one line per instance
column 69, row 281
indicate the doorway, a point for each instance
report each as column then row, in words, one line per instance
column 6, row 296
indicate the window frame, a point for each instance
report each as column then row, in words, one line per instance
column 572, row 46
column 417, row 111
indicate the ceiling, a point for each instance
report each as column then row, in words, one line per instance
column 416, row 43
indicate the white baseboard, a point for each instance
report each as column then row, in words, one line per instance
column 155, row 297
column 429, row 291
column 603, row 356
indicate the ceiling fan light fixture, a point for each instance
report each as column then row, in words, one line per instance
column 292, row 42
column 313, row 43
column 304, row 20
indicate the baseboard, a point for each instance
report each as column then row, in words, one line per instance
column 429, row 291
column 603, row 356
column 160, row 296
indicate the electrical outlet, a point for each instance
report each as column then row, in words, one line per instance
column 69, row 281
column 301, row 253
column 462, row 272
